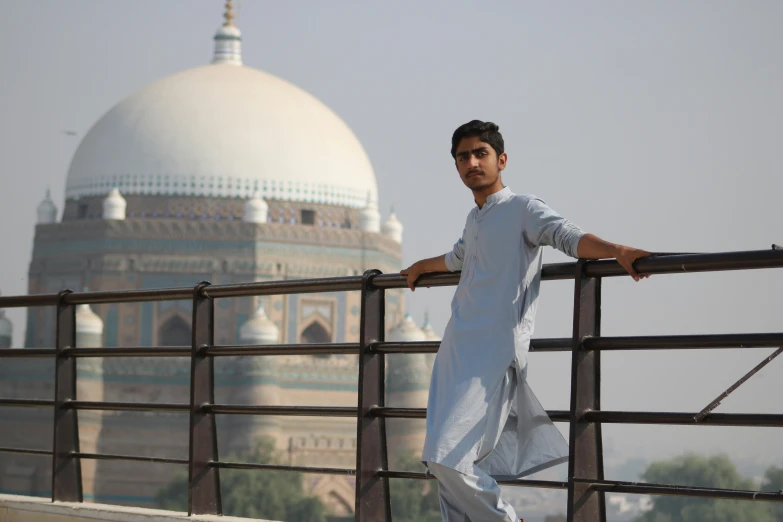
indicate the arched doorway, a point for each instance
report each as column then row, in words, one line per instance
column 315, row 333
column 174, row 332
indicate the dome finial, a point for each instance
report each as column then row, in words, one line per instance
column 228, row 39
column 229, row 15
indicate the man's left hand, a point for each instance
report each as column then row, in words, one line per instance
column 626, row 257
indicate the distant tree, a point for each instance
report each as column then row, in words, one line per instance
column 272, row 495
column 773, row 481
column 715, row 472
column 414, row 500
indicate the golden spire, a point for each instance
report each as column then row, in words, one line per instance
column 229, row 16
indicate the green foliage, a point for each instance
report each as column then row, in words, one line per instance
column 273, row 495
column 414, row 500
column 692, row 470
column 773, row 481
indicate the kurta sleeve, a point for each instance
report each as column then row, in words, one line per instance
column 454, row 258
column 544, row 226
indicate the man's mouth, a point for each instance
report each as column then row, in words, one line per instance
column 474, row 174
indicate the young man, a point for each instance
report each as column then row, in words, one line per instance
column 482, row 418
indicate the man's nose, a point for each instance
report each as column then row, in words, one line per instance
column 473, row 161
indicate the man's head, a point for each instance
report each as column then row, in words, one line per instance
column 477, row 149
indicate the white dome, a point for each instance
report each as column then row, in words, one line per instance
column 47, row 210
column 256, row 210
column 87, row 321
column 6, row 326
column 223, row 130
column 406, row 331
column 114, row 205
column 369, row 217
column 259, row 329
column 392, row 227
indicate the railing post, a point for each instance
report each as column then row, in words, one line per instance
column 585, row 445
column 372, row 492
column 66, row 469
column 203, row 479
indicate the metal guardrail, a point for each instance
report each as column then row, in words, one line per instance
column 586, row 485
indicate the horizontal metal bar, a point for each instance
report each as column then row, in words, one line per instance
column 545, row 484
column 293, row 411
column 21, row 451
column 682, row 263
column 136, row 458
column 127, row 351
column 284, row 349
column 536, row 345
column 687, row 342
column 26, row 352
column 642, row 488
column 278, row 467
column 768, row 420
column 421, row 413
column 27, row 403
column 126, row 406
column 679, row 263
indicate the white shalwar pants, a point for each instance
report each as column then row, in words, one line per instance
column 470, row 498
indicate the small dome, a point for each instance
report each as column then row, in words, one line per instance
column 87, row 321
column 429, row 332
column 114, row 205
column 256, row 210
column 406, row 331
column 369, row 217
column 6, row 326
column 392, row 227
column 47, row 210
column 259, row 329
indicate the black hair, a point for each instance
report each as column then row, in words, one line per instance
column 487, row 132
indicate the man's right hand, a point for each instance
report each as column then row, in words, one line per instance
column 413, row 272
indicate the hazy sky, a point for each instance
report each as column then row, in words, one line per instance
column 655, row 124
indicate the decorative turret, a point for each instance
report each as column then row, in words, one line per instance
column 256, row 384
column 47, row 210
column 392, row 227
column 6, row 331
column 89, row 328
column 114, row 205
column 228, row 40
column 256, row 210
column 369, row 217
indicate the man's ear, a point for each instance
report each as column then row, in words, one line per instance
column 502, row 160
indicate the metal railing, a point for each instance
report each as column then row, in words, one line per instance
column 585, row 485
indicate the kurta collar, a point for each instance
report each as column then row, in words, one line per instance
column 500, row 195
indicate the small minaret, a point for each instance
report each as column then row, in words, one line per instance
column 256, row 384
column 369, row 217
column 47, row 210
column 228, row 40
column 429, row 335
column 89, row 387
column 392, row 227
column 6, row 331
column 407, row 386
column 256, row 210
column 114, row 206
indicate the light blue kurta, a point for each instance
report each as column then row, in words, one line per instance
column 479, row 398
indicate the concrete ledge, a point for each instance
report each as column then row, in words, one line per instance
column 16, row 508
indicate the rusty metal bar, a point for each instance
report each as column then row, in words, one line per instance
column 684, row 342
column 126, row 406
column 23, row 451
column 766, row 420
column 285, row 349
column 525, row 483
column 714, row 404
column 585, row 459
column 372, row 491
column 642, row 488
column 25, row 353
column 26, row 403
column 279, row 467
column 66, row 469
column 140, row 351
column 133, row 458
column 203, row 481
column 300, row 411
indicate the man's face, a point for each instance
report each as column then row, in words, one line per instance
column 478, row 164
